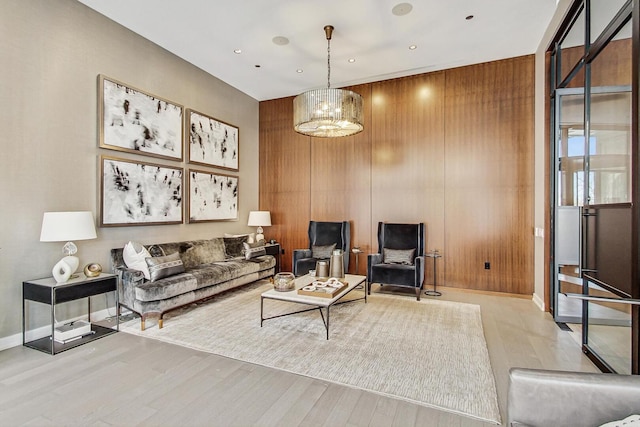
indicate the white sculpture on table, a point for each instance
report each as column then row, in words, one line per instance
column 68, row 265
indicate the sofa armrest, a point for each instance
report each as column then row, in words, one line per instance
column 420, row 262
column 300, row 254
column 372, row 259
column 542, row 398
column 128, row 279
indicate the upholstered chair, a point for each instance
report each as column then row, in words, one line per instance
column 400, row 259
column 324, row 237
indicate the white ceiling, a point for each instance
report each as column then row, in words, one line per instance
column 206, row 33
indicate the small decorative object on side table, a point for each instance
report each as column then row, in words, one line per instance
column 435, row 255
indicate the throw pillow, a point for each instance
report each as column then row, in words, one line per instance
column 156, row 250
column 251, row 237
column 322, row 252
column 398, row 256
column 233, row 246
column 164, row 266
column 134, row 255
column 253, row 250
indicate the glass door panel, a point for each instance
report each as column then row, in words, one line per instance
column 609, row 330
column 570, row 149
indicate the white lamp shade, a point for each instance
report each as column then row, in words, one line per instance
column 67, row 226
column 259, row 219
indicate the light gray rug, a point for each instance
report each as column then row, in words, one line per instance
column 428, row 352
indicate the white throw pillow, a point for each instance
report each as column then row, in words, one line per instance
column 134, row 255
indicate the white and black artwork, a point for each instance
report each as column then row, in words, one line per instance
column 212, row 197
column 134, row 121
column 212, row 142
column 136, row 193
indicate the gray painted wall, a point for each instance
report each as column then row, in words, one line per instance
column 51, row 52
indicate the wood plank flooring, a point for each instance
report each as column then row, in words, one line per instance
column 125, row 380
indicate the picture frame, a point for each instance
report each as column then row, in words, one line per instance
column 212, row 196
column 139, row 193
column 212, row 142
column 134, row 121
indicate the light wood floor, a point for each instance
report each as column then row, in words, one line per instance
column 132, row 381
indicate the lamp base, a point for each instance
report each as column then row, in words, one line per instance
column 64, row 269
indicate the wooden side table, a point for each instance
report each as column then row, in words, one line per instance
column 47, row 291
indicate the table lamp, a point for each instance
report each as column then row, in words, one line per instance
column 259, row 219
column 61, row 226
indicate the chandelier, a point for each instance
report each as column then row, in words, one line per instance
column 328, row 113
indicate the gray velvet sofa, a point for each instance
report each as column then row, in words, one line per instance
column 540, row 398
column 210, row 267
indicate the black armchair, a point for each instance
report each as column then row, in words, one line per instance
column 322, row 236
column 400, row 259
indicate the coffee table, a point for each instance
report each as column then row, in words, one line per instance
column 317, row 303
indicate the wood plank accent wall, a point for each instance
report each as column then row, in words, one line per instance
column 489, row 176
column 453, row 149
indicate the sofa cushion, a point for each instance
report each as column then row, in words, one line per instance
column 322, row 252
column 219, row 272
column 233, row 246
column 397, row 274
column 398, row 256
column 134, row 256
column 164, row 266
column 196, row 252
column 251, row 237
column 168, row 287
column 156, row 250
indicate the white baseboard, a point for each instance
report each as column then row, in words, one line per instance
column 16, row 339
column 538, row 301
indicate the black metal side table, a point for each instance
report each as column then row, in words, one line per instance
column 47, row 291
column 435, row 254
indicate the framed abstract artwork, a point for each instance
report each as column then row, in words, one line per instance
column 134, row 121
column 212, row 142
column 138, row 193
column 212, row 196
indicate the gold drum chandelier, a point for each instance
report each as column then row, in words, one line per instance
column 328, row 113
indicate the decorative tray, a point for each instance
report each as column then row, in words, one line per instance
column 328, row 289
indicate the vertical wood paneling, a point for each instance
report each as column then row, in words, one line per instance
column 453, row 149
column 489, row 176
column 341, row 180
column 408, row 155
column 285, row 157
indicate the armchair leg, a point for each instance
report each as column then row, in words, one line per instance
column 368, row 285
column 418, row 293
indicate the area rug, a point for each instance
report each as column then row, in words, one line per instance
column 429, row 352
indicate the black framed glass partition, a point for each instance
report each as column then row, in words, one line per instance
column 595, row 222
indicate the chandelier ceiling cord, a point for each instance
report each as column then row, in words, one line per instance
column 328, row 113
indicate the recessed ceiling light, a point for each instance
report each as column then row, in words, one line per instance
column 402, row 9
column 299, row 70
column 469, row 17
column 280, row 40
column 413, row 47
column 352, row 60
column 237, row 51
